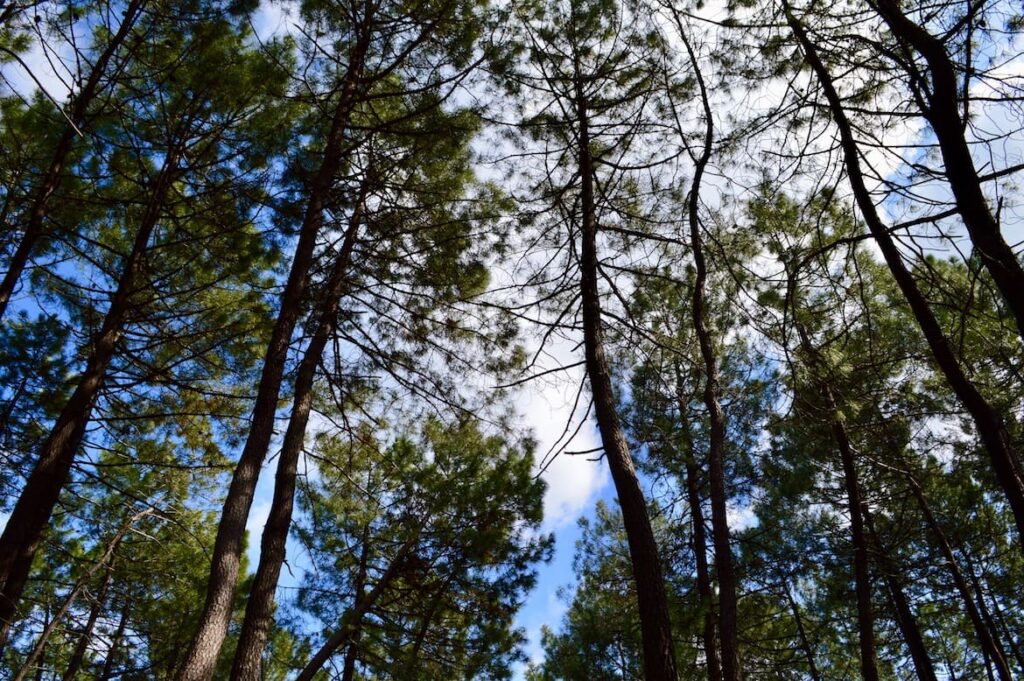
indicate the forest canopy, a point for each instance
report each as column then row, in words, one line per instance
column 279, row 280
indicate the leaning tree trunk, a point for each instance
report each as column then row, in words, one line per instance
column 987, row 638
column 906, row 621
column 655, row 628
column 352, row 620
column 113, row 652
column 943, row 113
column 227, row 551
column 805, row 643
column 85, row 638
column 260, row 607
column 987, row 421
column 50, row 181
column 31, row 513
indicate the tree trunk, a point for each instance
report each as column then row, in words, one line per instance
column 85, row 638
column 31, row 513
column 805, row 643
column 260, row 608
column 905, row 618
column 862, row 575
column 352, row 620
column 655, row 628
column 115, row 643
column 103, row 562
column 700, row 548
column 943, row 113
column 987, row 421
column 52, row 176
column 727, row 615
column 987, row 638
column 227, row 552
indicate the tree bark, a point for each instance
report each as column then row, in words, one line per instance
column 727, row 597
column 987, row 638
column 805, row 642
column 31, row 513
column 260, row 607
column 227, row 552
column 51, row 179
column 943, row 113
column 85, row 638
column 115, row 643
column 905, row 618
column 655, row 627
column 987, row 421
column 700, row 547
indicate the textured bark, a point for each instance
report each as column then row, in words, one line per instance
column 227, row 551
column 805, row 643
column 943, row 113
column 40, row 201
column 700, row 546
column 986, row 420
column 906, row 620
column 31, row 513
column 655, row 628
column 987, row 638
column 259, row 610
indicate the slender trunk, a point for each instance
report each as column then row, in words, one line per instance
column 1010, row 636
column 115, row 644
column 352, row 620
column 655, row 627
column 987, row 421
column 986, row 615
column 987, row 638
column 103, row 562
column 727, row 615
column 700, row 548
column 227, row 551
column 905, row 618
column 31, row 513
column 805, row 643
column 943, row 113
column 862, row 575
column 51, row 179
column 85, row 638
column 348, row 670
column 260, row 607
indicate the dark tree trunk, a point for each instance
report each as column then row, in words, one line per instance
column 260, row 607
column 727, row 615
column 227, row 551
column 655, row 628
column 31, row 513
column 700, row 547
column 805, row 643
column 987, row 421
column 943, row 112
column 51, row 178
column 115, row 645
column 909, row 628
column 861, row 572
column 85, row 638
column 987, row 638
